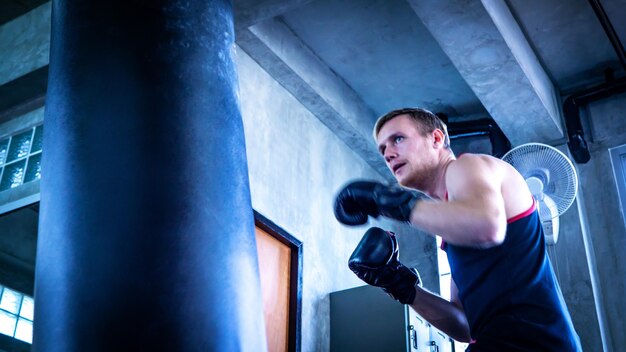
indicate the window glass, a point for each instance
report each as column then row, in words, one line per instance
column 445, row 278
column 12, row 175
column 19, row 326
column 20, row 158
column 37, row 139
column 7, row 323
column 4, row 146
column 10, row 300
column 28, row 308
column 24, row 330
column 20, row 145
column 618, row 161
column 33, row 170
column 444, row 271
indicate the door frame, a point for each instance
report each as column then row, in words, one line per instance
column 295, row 275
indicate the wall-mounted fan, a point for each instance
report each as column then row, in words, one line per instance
column 552, row 180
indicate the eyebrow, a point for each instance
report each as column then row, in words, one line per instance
column 382, row 146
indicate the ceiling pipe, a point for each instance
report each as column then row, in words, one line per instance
column 609, row 30
column 572, row 104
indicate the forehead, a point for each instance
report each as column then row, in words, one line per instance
column 398, row 124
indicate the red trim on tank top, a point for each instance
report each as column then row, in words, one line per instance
column 443, row 242
column 524, row 214
column 508, row 221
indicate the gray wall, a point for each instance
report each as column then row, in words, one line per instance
column 296, row 166
column 572, row 268
column 604, row 219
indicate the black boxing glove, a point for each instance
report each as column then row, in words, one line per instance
column 375, row 261
column 360, row 199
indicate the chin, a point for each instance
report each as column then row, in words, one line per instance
column 403, row 181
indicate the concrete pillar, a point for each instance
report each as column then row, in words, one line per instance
column 146, row 231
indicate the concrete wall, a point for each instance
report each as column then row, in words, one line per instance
column 603, row 218
column 571, row 265
column 296, row 166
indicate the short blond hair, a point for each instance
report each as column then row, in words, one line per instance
column 425, row 121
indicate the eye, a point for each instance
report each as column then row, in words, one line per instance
column 398, row 139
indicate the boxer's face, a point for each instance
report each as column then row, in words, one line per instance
column 409, row 155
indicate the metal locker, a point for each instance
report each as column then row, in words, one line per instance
column 440, row 342
column 419, row 332
column 365, row 319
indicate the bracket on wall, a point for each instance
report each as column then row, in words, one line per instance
column 485, row 127
column 571, row 110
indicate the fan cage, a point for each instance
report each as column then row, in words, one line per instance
column 550, row 165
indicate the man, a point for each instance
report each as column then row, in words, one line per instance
column 504, row 295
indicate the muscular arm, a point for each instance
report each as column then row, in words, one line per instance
column 448, row 317
column 474, row 214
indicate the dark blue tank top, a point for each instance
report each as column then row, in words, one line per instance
column 509, row 292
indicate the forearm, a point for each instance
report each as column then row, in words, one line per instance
column 471, row 224
column 442, row 314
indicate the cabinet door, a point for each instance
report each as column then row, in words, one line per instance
column 440, row 341
column 419, row 333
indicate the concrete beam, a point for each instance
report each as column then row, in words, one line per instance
column 25, row 43
column 274, row 46
column 489, row 49
column 250, row 12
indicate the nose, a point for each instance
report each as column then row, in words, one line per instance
column 390, row 154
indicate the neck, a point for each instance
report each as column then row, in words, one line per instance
column 438, row 189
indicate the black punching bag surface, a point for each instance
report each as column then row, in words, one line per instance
column 146, row 236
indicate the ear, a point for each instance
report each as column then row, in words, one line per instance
column 438, row 138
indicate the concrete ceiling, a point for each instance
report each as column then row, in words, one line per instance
column 392, row 56
column 385, row 53
column 569, row 39
column 511, row 60
column 371, row 43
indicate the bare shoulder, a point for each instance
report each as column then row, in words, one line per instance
column 473, row 173
column 481, row 163
column 497, row 174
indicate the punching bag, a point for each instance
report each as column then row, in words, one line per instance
column 146, row 236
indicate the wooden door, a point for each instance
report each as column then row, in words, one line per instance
column 275, row 268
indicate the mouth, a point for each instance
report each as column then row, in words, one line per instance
column 396, row 167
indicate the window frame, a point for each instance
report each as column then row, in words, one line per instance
column 28, row 193
column 616, row 156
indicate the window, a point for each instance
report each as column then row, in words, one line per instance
column 445, row 278
column 444, row 271
column 16, row 314
column 20, row 158
column 618, row 159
